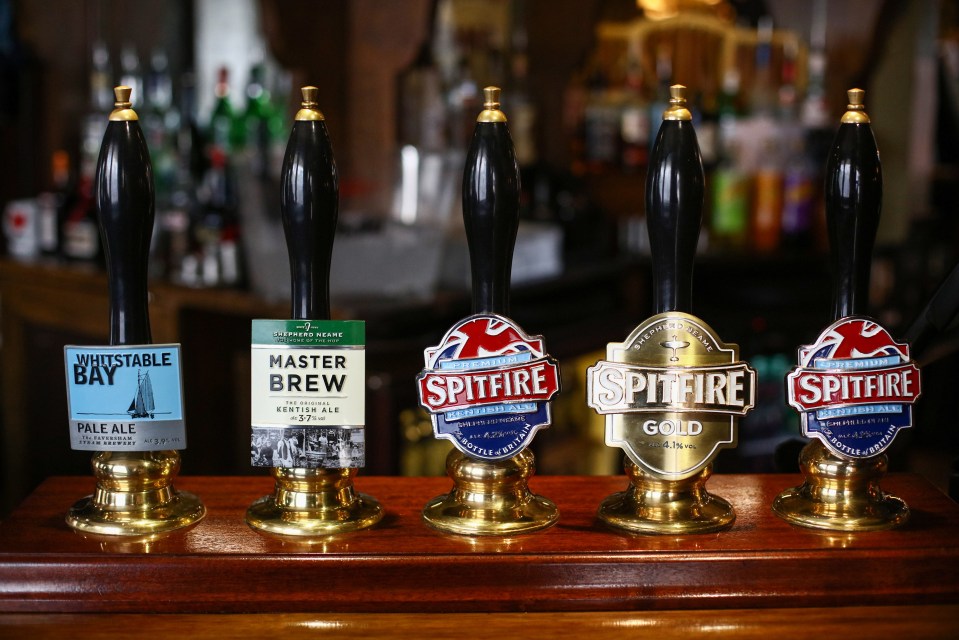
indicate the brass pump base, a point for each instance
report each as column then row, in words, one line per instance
column 135, row 496
column 313, row 502
column 840, row 494
column 490, row 498
column 666, row 507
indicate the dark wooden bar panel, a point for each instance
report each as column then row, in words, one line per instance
column 402, row 566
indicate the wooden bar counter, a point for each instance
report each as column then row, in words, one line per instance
column 761, row 576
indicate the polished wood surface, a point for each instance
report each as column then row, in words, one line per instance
column 221, row 565
column 914, row 623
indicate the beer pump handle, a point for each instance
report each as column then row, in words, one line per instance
column 309, row 203
column 674, row 206
column 123, row 185
column 853, row 203
column 491, row 207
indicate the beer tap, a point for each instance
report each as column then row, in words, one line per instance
column 135, row 494
column 491, row 464
column 851, row 427
column 671, row 432
column 311, row 501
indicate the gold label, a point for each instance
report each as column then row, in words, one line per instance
column 672, row 394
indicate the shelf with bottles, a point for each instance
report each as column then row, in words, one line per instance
column 469, row 44
column 216, row 179
column 212, row 174
column 615, row 101
column 757, row 108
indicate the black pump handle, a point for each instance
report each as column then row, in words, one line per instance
column 309, row 203
column 853, row 203
column 125, row 201
column 491, row 207
column 674, row 206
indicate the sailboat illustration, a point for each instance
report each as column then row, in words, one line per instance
column 142, row 404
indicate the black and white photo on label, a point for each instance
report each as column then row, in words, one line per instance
column 316, row 448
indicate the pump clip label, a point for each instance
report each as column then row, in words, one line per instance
column 487, row 386
column 854, row 387
column 126, row 398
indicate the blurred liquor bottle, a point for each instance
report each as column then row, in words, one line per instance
column 421, row 112
column 131, row 74
column 634, row 118
column 220, row 127
column 53, row 206
column 80, row 231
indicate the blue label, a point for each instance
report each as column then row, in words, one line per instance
column 859, row 433
column 125, row 398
